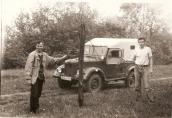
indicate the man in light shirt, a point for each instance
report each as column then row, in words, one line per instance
column 144, row 66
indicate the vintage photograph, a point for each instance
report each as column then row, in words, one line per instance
column 86, row 59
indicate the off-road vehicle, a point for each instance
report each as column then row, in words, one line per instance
column 105, row 60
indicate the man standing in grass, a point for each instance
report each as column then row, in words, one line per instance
column 36, row 71
column 144, row 65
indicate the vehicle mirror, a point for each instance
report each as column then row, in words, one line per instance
column 109, row 55
column 122, row 60
column 102, row 57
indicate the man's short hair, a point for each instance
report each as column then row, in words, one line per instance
column 142, row 38
column 40, row 45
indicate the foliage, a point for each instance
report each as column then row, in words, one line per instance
column 143, row 20
column 59, row 26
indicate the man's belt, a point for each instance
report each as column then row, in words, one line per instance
column 143, row 65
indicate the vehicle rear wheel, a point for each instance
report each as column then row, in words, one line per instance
column 64, row 83
column 94, row 83
column 130, row 81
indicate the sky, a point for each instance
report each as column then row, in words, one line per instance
column 105, row 8
column 10, row 9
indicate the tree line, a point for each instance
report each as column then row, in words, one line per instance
column 58, row 28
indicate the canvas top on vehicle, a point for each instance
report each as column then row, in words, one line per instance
column 127, row 45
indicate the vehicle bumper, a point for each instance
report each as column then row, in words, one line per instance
column 67, row 78
column 64, row 77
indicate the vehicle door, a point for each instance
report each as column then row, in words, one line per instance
column 114, row 63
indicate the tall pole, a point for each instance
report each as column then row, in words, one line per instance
column 1, row 49
column 81, row 60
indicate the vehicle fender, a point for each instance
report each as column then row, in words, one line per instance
column 130, row 68
column 56, row 74
column 89, row 71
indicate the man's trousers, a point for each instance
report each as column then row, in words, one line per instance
column 141, row 78
column 142, row 82
column 36, row 90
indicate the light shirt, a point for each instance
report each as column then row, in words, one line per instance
column 142, row 55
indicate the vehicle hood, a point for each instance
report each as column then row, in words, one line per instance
column 86, row 59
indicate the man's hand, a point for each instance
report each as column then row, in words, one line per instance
column 28, row 81
column 61, row 59
column 65, row 57
column 150, row 71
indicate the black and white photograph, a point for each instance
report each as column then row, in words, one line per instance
column 86, row 58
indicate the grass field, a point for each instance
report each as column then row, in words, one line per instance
column 115, row 101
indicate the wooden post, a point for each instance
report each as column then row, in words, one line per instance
column 1, row 51
column 81, row 60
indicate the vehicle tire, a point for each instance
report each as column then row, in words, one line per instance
column 94, row 83
column 64, row 83
column 130, row 81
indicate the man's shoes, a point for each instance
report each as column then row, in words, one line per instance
column 138, row 97
column 150, row 98
column 138, row 94
column 33, row 111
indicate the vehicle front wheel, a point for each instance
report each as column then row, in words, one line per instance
column 64, row 83
column 94, row 83
column 130, row 81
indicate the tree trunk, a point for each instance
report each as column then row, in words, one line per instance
column 81, row 60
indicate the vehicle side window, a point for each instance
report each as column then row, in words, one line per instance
column 132, row 47
column 115, row 53
column 114, row 57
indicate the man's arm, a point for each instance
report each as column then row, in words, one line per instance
column 151, row 64
column 28, row 68
column 29, row 63
column 134, row 58
column 150, row 60
column 61, row 59
column 54, row 60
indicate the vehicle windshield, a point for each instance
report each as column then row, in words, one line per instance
column 95, row 50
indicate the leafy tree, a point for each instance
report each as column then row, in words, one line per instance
column 57, row 27
column 143, row 20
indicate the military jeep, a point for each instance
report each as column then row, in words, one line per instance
column 105, row 60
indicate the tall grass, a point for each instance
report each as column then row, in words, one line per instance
column 112, row 102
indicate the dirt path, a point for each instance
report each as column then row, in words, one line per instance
column 63, row 92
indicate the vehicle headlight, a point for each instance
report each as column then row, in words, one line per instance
column 77, row 72
column 59, row 69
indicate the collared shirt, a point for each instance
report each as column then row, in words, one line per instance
column 142, row 55
column 41, row 68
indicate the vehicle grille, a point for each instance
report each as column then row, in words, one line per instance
column 70, row 69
